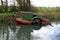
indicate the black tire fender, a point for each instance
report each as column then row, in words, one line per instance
column 36, row 20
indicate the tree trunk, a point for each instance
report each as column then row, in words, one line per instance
column 2, row 2
column 6, row 6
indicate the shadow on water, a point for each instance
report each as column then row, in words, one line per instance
column 14, row 32
column 10, row 31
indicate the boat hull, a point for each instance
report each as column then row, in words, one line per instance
column 23, row 22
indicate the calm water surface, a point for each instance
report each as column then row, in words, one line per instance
column 28, row 33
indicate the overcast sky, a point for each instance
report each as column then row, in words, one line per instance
column 10, row 2
column 46, row 3
column 42, row 3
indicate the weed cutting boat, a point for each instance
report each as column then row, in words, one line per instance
column 27, row 18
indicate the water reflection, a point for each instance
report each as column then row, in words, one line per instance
column 27, row 33
column 24, row 32
column 15, row 32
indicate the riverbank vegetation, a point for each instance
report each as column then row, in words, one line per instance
column 6, row 19
column 6, row 12
column 52, row 14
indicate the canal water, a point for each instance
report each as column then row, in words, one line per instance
column 27, row 33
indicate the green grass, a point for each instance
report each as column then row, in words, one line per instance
column 53, row 16
column 6, row 14
column 2, row 15
column 5, row 18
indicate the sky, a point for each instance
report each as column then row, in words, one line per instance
column 46, row 3
column 10, row 2
column 42, row 3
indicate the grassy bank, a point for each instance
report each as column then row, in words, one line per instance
column 52, row 15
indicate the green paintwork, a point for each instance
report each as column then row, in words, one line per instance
column 27, row 16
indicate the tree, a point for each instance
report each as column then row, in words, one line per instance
column 1, row 6
column 2, row 2
column 6, row 6
column 24, row 5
